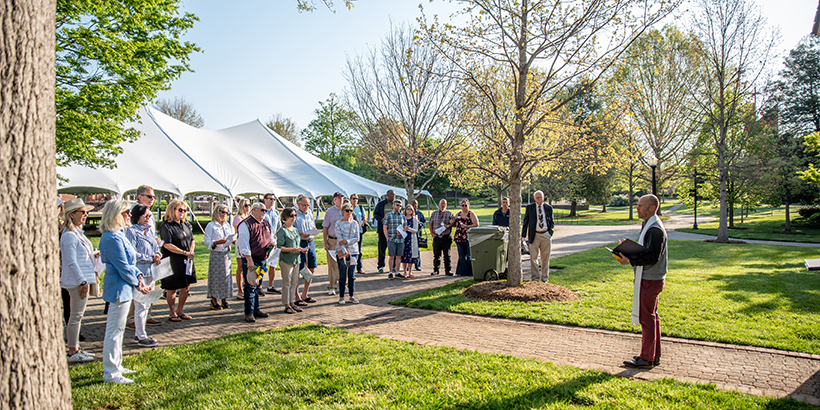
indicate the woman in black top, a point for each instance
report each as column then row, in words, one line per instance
column 178, row 240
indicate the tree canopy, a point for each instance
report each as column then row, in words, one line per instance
column 180, row 109
column 112, row 57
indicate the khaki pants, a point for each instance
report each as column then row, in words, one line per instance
column 332, row 266
column 290, row 280
column 541, row 245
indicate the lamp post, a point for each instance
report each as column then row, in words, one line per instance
column 653, row 163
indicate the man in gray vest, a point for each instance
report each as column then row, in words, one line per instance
column 650, row 267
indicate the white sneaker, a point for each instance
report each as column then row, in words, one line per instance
column 354, row 301
column 91, row 355
column 79, row 357
column 118, row 380
column 331, row 292
column 341, row 301
column 127, row 371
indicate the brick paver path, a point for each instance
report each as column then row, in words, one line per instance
column 747, row 369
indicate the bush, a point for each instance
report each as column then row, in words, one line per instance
column 815, row 219
column 809, row 211
column 621, row 200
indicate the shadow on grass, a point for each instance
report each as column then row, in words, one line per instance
column 790, row 289
column 569, row 392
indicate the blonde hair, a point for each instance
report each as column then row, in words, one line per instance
column 241, row 207
column 171, row 210
column 66, row 224
column 215, row 212
column 112, row 220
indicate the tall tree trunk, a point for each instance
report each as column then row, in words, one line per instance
column 33, row 368
column 723, row 230
column 499, row 191
column 788, row 198
column 514, row 274
column 730, row 198
column 409, row 190
column 631, row 189
column 573, row 208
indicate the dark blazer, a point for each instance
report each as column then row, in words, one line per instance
column 530, row 222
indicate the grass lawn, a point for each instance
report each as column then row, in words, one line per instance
column 762, row 226
column 743, row 294
column 312, row 367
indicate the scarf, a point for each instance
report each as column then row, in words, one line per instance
column 636, row 292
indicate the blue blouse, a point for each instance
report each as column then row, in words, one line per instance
column 121, row 273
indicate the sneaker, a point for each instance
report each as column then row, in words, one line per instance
column 274, row 290
column 389, row 276
column 418, row 267
column 341, row 301
column 381, row 270
column 79, row 357
column 331, row 292
column 118, row 380
column 260, row 292
column 353, row 301
column 147, row 342
column 127, row 371
column 240, row 296
column 91, row 355
column 399, row 275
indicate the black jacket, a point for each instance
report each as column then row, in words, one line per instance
column 530, row 222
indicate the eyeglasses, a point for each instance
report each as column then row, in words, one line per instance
column 82, row 211
column 262, row 209
column 127, row 212
column 149, row 196
column 223, row 212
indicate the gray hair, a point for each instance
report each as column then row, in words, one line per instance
column 346, row 206
column 143, row 189
column 301, row 197
column 257, row 205
column 538, row 192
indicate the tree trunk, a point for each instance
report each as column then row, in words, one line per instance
column 631, row 190
column 723, row 230
column 788, row 226
column 730, row 195
column 409, row 190
column 514, row 274
column 573, row 208
column 604, row 208
column 499, row 191
column 33, row 367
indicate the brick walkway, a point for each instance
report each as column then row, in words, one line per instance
column 747, row 369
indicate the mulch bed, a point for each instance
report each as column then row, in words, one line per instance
column 525, row 292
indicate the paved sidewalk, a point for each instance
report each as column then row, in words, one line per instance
column 746, row 369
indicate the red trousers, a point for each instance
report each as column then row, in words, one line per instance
column 649, row 319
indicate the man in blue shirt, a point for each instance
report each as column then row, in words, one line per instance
column 272, row 216
column 501, row 217
column 304, row 224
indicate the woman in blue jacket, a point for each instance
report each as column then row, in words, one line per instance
column 121, row 277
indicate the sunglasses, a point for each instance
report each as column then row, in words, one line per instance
column 464, row 205
column 246, row 206
column 354, row 197
column 348, row 210
column 223, row 212
column 149, row 196
column 82, row 211
column 183, row 210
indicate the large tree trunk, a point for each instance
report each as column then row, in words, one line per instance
column 33, row 367
column 723, row 230
column 514, row 274
column 788, row 226
column 409, row 190
column 573, row 208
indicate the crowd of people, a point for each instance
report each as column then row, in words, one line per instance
column 132, row 249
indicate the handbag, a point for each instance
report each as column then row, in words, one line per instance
column 422, row 240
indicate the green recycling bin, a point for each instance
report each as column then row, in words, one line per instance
column 488, row 248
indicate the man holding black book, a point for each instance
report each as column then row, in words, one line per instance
column 650, row 275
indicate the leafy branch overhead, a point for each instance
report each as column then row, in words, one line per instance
column 112, row 57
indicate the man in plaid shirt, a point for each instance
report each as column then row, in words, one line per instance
column 392, row 222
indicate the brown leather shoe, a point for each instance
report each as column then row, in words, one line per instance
column 152, row 321
column 130, row 325
column 249, row 318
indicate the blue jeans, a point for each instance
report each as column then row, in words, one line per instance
column 309, row 257
column 251, row 292
column 359, row 256
column 346, row 272
column 465, row 262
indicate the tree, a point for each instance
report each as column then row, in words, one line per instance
column 113, row 57
column 734, row 48
column 800, row 88
column 407, row 107
column 518, row 35
column 33, row 369
column 310, row 5
column 181, row 109
column 285, row 127
column 655, row 83
column 332, row 131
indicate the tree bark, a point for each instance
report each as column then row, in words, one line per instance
column 631, row 189
column 788, row 226
column 573, row 208
column 33, row 367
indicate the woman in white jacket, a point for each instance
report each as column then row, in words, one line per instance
column 76, row 272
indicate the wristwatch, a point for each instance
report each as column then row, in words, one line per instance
column 83, row 283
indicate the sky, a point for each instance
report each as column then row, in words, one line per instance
column 262, row 57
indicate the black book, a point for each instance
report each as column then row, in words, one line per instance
column 630, row 249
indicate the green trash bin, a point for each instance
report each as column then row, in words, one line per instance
column 488, row 248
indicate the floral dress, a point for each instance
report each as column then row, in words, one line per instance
column 407, row 256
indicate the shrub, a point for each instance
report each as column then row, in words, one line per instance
column 808, row 211
column 622, row 200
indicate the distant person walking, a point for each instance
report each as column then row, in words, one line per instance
column 465, row 219
column 441, row 223
column 537, row 228
column 378, row 214
column 650, row 268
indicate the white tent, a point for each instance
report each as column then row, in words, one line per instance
column 174, row 157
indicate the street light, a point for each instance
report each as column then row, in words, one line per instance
column 653, row 163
